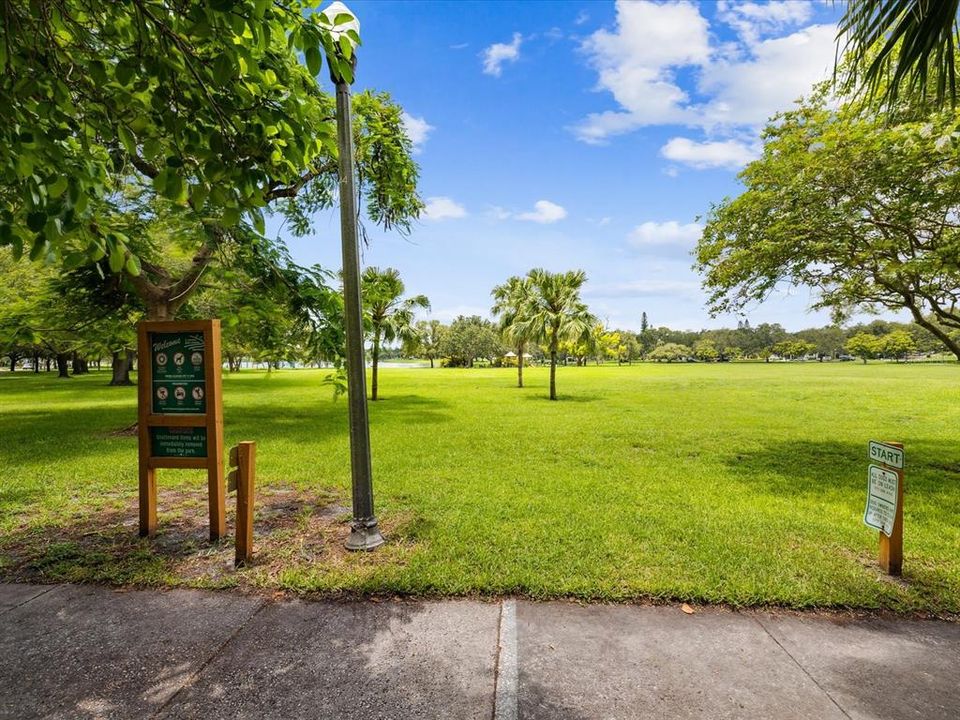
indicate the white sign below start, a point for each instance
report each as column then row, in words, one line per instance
column 881, row 510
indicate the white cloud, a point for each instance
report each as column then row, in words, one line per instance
column 666, row 233
column 730, row 89
column 499, row 53
column 544, row 211
column 460, row 46
column 582, row 17
column 417, row 130
column 730, row 154
column 752, row 19
column 498, row 213
column 442, row 208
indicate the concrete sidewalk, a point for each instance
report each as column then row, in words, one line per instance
column 91, row 652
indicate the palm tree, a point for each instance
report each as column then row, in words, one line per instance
column 389, row 316
column 555, row 313
column 511, row 301
column 890, row 44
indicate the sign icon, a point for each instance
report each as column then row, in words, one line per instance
column 178, row 359
column 197, row 358
column 197, row 393
column 161, row 358
column 162, row 393
column 179, row 392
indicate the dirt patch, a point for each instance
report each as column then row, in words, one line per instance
column 298, row 539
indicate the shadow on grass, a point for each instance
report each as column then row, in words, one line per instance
column 409, row 409
column 561, row 398
column 807, row 467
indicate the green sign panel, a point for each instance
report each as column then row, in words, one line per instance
column 179, row 380
column 188, row 442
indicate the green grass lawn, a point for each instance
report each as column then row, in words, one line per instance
column 739, row 483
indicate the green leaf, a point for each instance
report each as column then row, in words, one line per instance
column 117, row 259
column 74, row 260
column 25, row 164
column 231, row 216
column 39, row 248
column 198, row 196
column 346, row 72
column 223, row 69
column 127, row 139
column 58, row 187
column 133, row 265
column 258, row 223
column 346, row 47
column 16, row 248
column 314, row 62
column 343, row 18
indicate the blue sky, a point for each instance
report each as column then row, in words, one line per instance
column 580, row 135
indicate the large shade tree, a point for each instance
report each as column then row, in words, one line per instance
column 556, row 314
column 511, row 302
column 111, row 112
column 865, row 211
column 388, row 314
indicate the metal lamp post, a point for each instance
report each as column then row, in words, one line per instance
column 365, row 532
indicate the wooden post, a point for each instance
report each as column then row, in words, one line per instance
column 891, row 548
column 148, row 476
column 244, row 456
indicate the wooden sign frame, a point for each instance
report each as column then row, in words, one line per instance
column 210, row 420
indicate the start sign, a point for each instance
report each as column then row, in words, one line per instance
column 886, row 454
column 884, row 510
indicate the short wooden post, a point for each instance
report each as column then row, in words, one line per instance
column 244, row 458
column 891, row 548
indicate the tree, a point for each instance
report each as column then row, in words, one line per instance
column 426, row 340
column 556, row 313
column 841, row 201
column 894, row 45
column 897, row 344
column 390, row 316
column 794, row 348
column 671, row 352
column 863, row 345
column 705, row 350
column 117, row 116
column 511, row 301
column 469, row 338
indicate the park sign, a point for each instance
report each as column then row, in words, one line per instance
column 180, row 411
column 884, row 508
column 886, row 453
column 882, row 485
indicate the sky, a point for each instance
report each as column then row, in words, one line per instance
column 589, row 135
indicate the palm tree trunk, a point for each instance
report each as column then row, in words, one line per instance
column 553, row 374
column 376, row 361
column 520, row 365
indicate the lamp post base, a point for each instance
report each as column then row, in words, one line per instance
column 364, row 535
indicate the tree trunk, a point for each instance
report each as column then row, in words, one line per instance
column 48, row 364
column 62, row 365
column 376, row 361
column 520, row 365
column 160, row 310
column 36, row 363
column 553, row 374
column 121, row 368
column 79, row 365
column 14, row 358
column 431, row 363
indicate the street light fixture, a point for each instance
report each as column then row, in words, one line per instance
column 364, row 532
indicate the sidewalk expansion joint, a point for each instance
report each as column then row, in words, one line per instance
column 802, row 668
column 30, row 599
column 203, row 666
column 506, row 674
